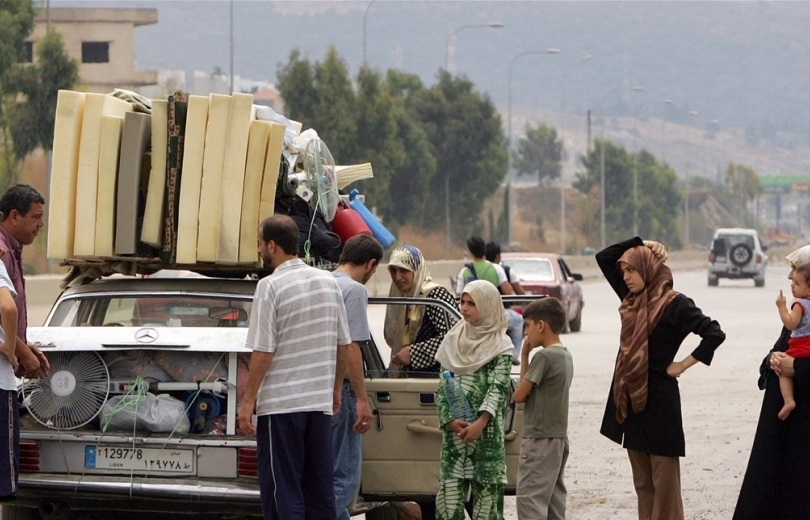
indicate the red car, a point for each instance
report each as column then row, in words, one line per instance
column 547, row 273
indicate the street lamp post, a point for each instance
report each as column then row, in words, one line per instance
column 509, row 136
column 491, row 25
column 602, row 158
column 583, row 59
column 635, row 158
column 692, row 113
column 365, row 40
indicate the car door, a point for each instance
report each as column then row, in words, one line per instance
column 401, row 450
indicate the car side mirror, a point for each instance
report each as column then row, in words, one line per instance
column 576, row 276
column 763, row 247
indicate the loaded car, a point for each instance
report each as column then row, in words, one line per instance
column 138, row 415
column 548, row 274
column 737, row 253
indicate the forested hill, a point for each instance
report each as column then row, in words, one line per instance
column 741, row 63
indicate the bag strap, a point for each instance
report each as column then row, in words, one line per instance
column 471, row 268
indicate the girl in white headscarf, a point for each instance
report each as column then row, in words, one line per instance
column 774, row 486
column 478, row 353
column 414, row 332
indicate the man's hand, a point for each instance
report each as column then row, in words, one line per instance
column 526, row 348
column 336, row 399
column 245, row 417
column 657, row 249
column 403, row 357
column 29, row 365
column 44, row 364
column 364, row 416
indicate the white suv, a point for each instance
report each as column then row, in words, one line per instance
column 737, row 253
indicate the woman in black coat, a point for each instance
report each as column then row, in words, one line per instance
column 775, row 486
column 643, row 411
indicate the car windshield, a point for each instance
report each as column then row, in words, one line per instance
column 152, row 311
column 532, row 269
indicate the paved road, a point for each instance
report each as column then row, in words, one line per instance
column 720, row 403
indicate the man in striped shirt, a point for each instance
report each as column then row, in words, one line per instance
column 296, row 374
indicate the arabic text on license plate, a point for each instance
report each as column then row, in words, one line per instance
column 142, row 460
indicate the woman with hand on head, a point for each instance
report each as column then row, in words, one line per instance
column 774, row 486
column 643, row 411
column 478, row 354
column 414, row 332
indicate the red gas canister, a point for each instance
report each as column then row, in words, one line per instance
column 348, row 223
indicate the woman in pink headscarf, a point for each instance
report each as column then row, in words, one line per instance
column 643, row 411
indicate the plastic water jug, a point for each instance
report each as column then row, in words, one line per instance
column 348, row 223
column 459, row 406
column 377, row 229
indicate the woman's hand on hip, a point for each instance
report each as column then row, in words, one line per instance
column 403, row 357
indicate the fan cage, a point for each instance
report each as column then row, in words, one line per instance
column 320, row 168
column 74, row 392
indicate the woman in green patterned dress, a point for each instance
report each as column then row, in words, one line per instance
column 479, row 354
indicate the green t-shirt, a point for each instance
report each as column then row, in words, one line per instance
column 484, row 271
column 545, row 414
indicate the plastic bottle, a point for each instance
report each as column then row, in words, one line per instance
column 377, row 229
column 459, row 406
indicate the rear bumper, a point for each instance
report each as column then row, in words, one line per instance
column 101, row 492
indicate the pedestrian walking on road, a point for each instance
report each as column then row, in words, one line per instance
column 299, row 336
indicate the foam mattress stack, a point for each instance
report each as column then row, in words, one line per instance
column 191, row 181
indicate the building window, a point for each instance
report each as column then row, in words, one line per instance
column 95, row 52
column 29, row 52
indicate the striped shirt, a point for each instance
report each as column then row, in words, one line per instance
column 298, row 315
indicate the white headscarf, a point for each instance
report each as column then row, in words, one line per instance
column 469, row 346
column 799, row 256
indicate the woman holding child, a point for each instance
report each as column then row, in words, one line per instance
column 775, row 483
column 643, row 411
column 478, row 353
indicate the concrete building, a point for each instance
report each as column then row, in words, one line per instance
column 102, row 41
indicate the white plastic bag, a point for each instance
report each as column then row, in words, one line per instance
column 154, row 413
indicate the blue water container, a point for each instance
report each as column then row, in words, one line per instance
column 377, row 229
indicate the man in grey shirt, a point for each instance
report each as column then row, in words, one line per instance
column 359, row 260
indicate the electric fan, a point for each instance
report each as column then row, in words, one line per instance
column 74, row 392
column 79, row 385
column 317, row 183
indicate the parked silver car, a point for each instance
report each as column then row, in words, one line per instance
column 737, row 253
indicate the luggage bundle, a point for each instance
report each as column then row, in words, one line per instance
column 186, row 181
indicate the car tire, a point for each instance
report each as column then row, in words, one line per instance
column 19, row 513
column 759, row 282
column 713, row 281
column 741, row 254
column 576, row 324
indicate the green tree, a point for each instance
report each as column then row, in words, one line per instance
column 333, row 113
column 296, row 84
column 539, row 153
column 659, row 201
column 32, row 119
column 743, row 183
column 16, row 23
column 466, row 137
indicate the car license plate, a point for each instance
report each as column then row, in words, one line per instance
column 139, row 460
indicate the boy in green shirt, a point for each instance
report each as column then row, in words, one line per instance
column 544, row 386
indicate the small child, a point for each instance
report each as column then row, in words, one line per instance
column 544, row 386
column 797, row 320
